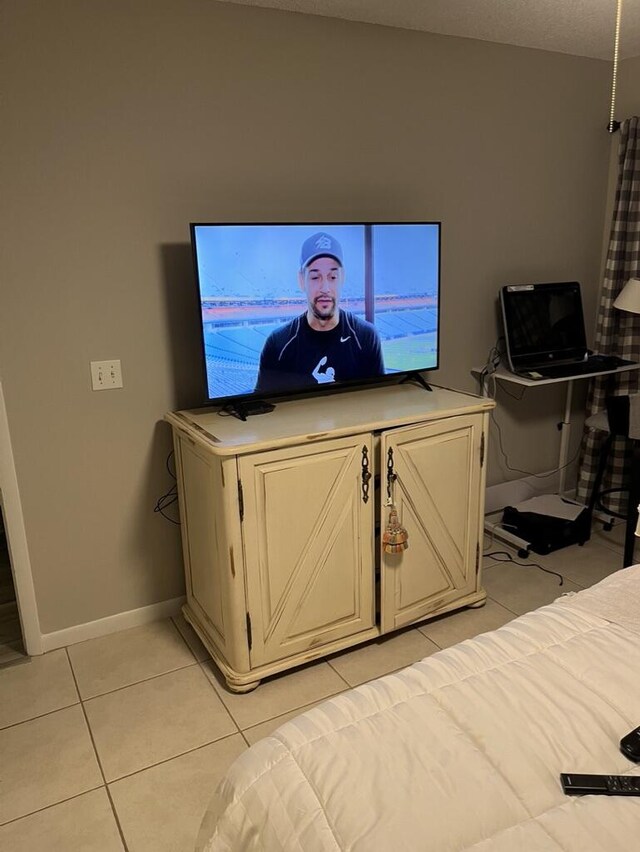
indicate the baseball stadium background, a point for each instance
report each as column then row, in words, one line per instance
column 248, row 280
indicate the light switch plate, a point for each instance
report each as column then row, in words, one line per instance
column 106, row 374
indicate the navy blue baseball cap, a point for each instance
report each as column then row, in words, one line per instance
column 320, row 245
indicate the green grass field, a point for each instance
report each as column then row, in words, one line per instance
column 417, row 352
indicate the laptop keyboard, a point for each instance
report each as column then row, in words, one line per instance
column 593, row 364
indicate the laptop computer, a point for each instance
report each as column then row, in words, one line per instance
column 545, row 332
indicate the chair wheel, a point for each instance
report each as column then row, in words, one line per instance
column 523, row 554
column 607, row 527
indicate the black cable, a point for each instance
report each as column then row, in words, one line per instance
column 494, row 358
column 509, row 558
column 171, row 473
column 519, row 470
column 492, row 362
column 495, row 353
column 170, row 497
column 165, row 501
column 512, row 395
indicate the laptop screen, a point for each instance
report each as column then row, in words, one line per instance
column 543, row 324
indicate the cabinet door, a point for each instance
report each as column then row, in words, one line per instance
column 308, row 545
column 437, row 496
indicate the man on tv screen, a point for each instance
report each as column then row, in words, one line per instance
column 326, row 343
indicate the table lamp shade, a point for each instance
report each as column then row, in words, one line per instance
column 629, row 297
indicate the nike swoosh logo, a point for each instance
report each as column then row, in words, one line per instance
column 344, row 339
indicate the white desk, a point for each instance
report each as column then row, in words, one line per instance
column 502, row 374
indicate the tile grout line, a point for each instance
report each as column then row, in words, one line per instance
column 495, row 600
column 174, row 757
column 81, row 700
column 95, row 749
column 160, row 762
column 303, row 709
column 143, row 679
column 241, row 730
column 399, row 668
column 52, row 805
column 342, row 678
column 184, row 639
column 137, row 682
column 219, row 697
column 40, row 716
column 439, row 647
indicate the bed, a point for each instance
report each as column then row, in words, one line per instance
column 461, row 751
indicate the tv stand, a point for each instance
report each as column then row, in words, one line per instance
column 418, row 378
column 242, row 410
column 282, row 519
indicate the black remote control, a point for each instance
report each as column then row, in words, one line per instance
column 608, row 785
column 630, row 745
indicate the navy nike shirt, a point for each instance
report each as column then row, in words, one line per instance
column 296, row 356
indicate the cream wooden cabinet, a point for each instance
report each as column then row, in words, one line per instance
column 282, row 518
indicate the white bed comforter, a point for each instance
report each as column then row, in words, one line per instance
column 461, row 751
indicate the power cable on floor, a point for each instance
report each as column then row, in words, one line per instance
column 509, row 558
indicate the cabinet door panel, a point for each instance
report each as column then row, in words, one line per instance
column 308, row 544
column 437, row 494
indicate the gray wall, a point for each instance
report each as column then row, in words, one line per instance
column 122, row 124
column 628, row 89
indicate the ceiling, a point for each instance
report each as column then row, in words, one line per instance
column 579, row 27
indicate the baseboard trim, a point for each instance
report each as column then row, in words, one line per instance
column 111, row 624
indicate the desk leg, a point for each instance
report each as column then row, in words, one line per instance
column 565, row 434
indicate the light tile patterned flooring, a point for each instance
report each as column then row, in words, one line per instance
column 118, row 743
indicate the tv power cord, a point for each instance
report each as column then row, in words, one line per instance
column 509, row 558
column 170, row 497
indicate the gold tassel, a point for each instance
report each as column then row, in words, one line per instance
column 395, row 538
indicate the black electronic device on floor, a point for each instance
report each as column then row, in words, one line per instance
column 544, row 532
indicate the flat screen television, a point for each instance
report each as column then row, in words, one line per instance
column 298, row 308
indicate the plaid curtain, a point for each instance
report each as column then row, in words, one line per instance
column 617, row 332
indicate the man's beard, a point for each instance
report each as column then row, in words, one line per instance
column 326, row 313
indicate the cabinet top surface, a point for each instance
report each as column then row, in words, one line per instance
column 314, row 418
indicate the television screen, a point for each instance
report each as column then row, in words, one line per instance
column 298, row 307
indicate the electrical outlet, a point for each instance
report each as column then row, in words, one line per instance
column 106, row 375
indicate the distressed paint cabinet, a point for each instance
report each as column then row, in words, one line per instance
column 282, row 517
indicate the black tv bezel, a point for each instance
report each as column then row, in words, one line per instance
column 335, row 387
